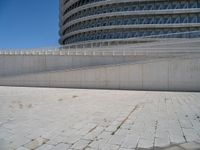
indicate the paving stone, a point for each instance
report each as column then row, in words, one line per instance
column 93, row 133
column 5, row 133
column 97, row 116
column 45, row 147
column 81, row 144
column 145, row 143
column 105, row 135
column 36, row 143
column 162, row 139
column 64, row 139
column 122, row 132
column 15, row 141
column 190, row 135
column 110, row 147
column 148, row 135
column 176, row 136
column 191, row 146
column 185, row 123
column 21, row 148
column 172, row 148
column 4, row 144
column 72, row 139
column 161, row 142
column 89, row 149
column 130, row 141
column 97, row 144
column 111, row 128
column 116, row 140
column 125, row 149
column 61, row 146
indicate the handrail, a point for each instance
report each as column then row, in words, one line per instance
column 108, row 52
column 105, row 45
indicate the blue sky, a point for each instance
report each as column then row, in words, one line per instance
column 29, row 23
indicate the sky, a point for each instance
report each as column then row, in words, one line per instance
column 29, row 23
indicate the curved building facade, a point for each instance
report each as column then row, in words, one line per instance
column 93, row 20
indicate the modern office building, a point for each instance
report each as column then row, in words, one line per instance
column 92, row 20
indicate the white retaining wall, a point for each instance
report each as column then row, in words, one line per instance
column 11, row 65
column 180, row 74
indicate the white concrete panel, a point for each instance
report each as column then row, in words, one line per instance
column 56, row 79
column 136, row 78
column 184, row 74
column 68, row 62
column 68, row 82
column 43, row 79
column 155, row 75
column 124, row 77
column 131, row 77
column 100, row 78
column 75, row 61
column 75, row 80
column 88, row 79
column 2, row 64
column 56, row 62
column 9, row 65
column 85, row 61
column 112, row 77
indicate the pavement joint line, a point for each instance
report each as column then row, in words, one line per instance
column 92, row 129
column 134, row 109
column 87, row 146
column 182, row 131
column 179, row 122
column 156, row 127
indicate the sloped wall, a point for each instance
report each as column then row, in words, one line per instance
column 180, row 74
column 21, row 64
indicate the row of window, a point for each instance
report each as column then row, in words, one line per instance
column 160, row 19
column 66, row 1
column 175, row 4
column 160, row 33
column 79, row 3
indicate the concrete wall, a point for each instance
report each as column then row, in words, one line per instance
column 181, row 74
column 20, row 64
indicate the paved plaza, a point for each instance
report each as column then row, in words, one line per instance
column 75, row 119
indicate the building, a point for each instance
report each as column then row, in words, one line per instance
column 92, row 20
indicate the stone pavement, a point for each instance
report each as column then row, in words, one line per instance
column 75, row 119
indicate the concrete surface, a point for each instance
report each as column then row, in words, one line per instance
column 60, row 119
column 179, row 73
column 19, row 64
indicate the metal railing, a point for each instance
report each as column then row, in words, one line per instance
column 131, row 46
column 139, row 51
